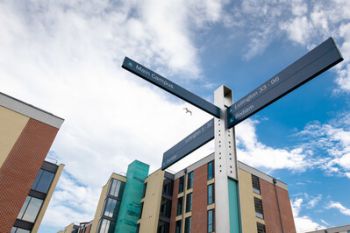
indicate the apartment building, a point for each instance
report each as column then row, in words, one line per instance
column 26, row 180
column 184, row 202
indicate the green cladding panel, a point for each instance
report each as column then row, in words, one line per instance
column 130, row 208
column 235, row 219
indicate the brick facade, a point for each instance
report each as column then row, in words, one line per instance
column 199, row 200
column 273, row 207
column 174, row 206
column 20, row 168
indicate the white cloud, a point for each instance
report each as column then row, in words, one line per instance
column 340, row 207
column 303, row 223
column 65, row 57
column 305, row 23
column 257, row 154
column 331, row 142
column 313, row 201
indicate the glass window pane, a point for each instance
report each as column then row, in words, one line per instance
column 115, row 187
column 211, row 194
column 256, row 184
column 43, row 181
column 24, row 207
column 179, row 206
column 104, row 227
column 181, row 184
column 37, row 179
column 259, row 212
column 190, row 180
column 211, row 217
column 188, row 225
column 178, row 227
column 32, row 210
column 189, row 202
column 210, row 170
column 110, row 206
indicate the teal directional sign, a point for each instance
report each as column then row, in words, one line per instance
column 306, row 68
column 202, row 135
column 169, row 86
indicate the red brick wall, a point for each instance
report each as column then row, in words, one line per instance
column 271, row 212
column 20, row 169
column 174, row 206
column 199, row 200
column 286, row 211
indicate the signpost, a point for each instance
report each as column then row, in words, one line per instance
column 189, row 144
column 169, row 86
column 306, row 68
column 318, row 60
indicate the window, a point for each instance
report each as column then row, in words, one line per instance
column 104, row 226
column 115, row 188
column 189, row 202
column 178, row 226
column 43, row 181
column 190, row 180
column 188, row 225
column 181, row 184
column 211, row 221
column 210, row 170
column 165, row 208
column 168, row 188
column 256, row 184
column 30, row 209
column 109, row 207
column 179, row 206
column 261, row 228
column 211, row 194
column 259, row 212
column 19, row 230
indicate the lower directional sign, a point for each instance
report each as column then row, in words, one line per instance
column 193, row 141
column 306, row 68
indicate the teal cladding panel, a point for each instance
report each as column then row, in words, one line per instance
column 235, row 219
column 130, row 208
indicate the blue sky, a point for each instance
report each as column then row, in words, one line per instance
column 65, row 57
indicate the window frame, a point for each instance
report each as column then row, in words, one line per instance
column 181, row 184
column 259, row 209
column 188, row 223
column 188, row 202
column 26, row 205
column 210, row 170
column 211, row 187
column 179, row 205
column 211, row 227
column 190, row 180
column 42, row 176
column 256, row 184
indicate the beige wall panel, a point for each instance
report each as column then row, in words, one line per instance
column 246, row 202
column 151, row 204
column 11, row 126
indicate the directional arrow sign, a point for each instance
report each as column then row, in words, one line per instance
column 169, row 86
column 306, row 68
column 193, row 141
